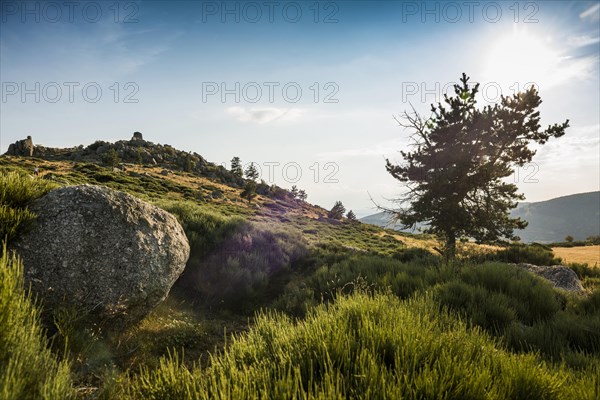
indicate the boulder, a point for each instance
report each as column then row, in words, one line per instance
column 105, row 252
column 560, row 276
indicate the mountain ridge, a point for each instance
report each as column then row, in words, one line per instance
column 577, row 215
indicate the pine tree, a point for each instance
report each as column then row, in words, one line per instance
column 302, row 196
column 249, row 191
column 338, row 210
column 236, row 167
column 188, row 166
column 455, row 175
column 251, row 172
column 351, row 216
column 294, row 192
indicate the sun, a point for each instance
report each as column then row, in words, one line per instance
column 521, row 58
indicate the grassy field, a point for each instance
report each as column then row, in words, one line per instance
column 313, row 308
column 581, row 254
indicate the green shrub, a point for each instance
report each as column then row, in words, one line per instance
column 111, row 158
column 531, row 254
column 584, row 271
column 415, row 253
column 533, row 298
column 204, row 228
column 28, row 370
column 560, row 338
column 494, row 295
column 525, row 311
column 16, row 192
column 363, row 346
column 332, row 270
column 239, row 272
column 231, row 261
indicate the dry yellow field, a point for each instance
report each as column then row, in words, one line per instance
column 583, row 254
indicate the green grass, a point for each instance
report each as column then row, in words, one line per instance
column 364, row 346
column 28, row 370
column 536, row 254
column 482, row 329
column 17, row 191
column 526, row 313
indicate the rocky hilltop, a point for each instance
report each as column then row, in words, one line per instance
column 137, row 150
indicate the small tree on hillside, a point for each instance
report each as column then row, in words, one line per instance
column 302, row 196
column 138, row 156
column 249, row 191
column 294, row 192
column 351, row 216
column 251, row 172
column 338, row 210
column 236, row 167
column 455, row 175
column 188, row 165
column 111, row 158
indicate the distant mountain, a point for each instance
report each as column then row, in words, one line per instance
column 577, row 215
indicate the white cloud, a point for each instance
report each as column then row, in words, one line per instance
column 265, row 115
column 593, row 13
column 582, row 41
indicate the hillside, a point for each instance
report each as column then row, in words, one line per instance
column 164, row 172
column 550, row 221
column 577, row 215
column 277, row 300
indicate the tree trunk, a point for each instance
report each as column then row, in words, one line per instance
column 450, row 249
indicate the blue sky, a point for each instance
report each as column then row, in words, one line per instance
column 161, row 67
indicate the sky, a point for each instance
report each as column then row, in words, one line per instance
column 307, row 90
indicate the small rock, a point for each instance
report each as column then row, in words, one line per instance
column 561, row 277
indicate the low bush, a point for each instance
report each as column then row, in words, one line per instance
column 531, row 254
column 232, row 262
column 28, row 370
column 17, row 190
column 331, row 270
column 364, row 346
column 495, row 295
column 239, row 273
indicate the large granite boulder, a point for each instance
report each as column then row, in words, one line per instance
column 560, row 276
column 103, row 251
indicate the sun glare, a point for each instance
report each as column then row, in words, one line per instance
column 522, row 57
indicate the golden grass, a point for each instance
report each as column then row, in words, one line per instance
column 581, row 254
column 430, row 244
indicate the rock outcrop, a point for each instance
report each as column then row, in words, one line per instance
column 137, row 151
column 23, row 147
column 103, row 251
column 137, row 136
column 561, row 277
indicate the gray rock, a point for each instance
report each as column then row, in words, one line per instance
column 560, row 276
column 23, row 147
column 137, row 136
column 103, row 251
